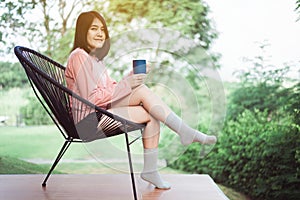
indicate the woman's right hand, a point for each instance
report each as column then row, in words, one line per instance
column 135, row 80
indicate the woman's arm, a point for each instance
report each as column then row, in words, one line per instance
column 86, row 83
column 96, row 86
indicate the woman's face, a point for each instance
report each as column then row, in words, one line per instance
column 96, row 35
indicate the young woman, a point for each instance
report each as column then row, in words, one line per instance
column 130, row 98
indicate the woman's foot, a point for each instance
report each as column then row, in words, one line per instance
column 187, row 134
column 202, row 138
column 150, row 172
column 155, row 179
column 208, row 139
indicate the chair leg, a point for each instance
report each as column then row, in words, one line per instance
column 59, row 156
column 130, row 166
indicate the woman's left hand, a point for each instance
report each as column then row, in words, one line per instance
column 148, row 68
column 135, row 80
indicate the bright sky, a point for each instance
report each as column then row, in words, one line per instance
column 243, row 23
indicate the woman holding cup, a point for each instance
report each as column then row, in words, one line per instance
column 130, row 98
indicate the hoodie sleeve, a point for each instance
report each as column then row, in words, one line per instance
column 91, row 83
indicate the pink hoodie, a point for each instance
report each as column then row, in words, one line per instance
column 88, row 78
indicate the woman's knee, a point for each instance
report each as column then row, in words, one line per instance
column 142, row 88
column 154, row 123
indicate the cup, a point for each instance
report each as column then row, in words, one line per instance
column 139, row 66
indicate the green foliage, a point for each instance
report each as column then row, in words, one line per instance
column 187, row 16
column 258, row 150
column 254, row 155
column 263, row 156
column 261, row 87
column 62, row 48
column 298, row 8
column 33, row 113
column 261, row 97
column 12, row 75
column 12, row 17
column 165, row 27
column 292, row 95
column 41, row 23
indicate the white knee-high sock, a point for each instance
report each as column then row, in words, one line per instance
column 150, row 173
column 186, row 133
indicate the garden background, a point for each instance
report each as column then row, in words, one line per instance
column 256, row 117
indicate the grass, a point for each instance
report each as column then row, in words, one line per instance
column 41, row 144
column 9, row 165
column 44, row 142
column 33, row 142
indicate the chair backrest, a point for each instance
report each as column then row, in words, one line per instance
column 47, row 77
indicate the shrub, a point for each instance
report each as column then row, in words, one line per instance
column 255, row 154
column 12, row 75
column 33, row 113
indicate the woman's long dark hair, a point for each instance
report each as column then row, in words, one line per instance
column 83, row 23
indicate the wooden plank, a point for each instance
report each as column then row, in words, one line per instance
column 107, row 187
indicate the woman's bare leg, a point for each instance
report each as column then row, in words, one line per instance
column 139, row 115
column 151, row 135
column 142, row 95
column 156, row 111
column 150, row 141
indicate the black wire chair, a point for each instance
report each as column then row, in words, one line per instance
column 77, row 119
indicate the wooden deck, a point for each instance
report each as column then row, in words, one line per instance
column 106, row 187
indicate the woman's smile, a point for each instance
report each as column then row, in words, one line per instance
column 96, row 35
